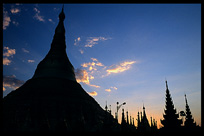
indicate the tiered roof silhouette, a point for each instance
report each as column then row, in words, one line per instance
column 170, row 121
column 189, row 122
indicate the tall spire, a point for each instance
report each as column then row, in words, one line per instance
column 170, row 117
column 59, row 36
column 127, row 118
column 138, row 119
column 144, row 113
column 144, row 122
column 56, row 64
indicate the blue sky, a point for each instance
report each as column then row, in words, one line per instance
column 120, row 52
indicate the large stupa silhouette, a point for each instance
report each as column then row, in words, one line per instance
column 52, row 100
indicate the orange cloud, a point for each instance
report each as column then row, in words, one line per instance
column 91, row 77
column 15, row 10
column 96, row 86
column 94, row 93
column 88, row 64
column 6, row 61
column 84, row 77
column 112, row 87
column 11, row 82
column 108, row 90
column 120, row 68
column 92, row 65
column 9, row 52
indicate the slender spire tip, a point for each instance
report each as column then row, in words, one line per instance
column 166, row 84
column 186, row 99
column 63, row 7
column 62, row 15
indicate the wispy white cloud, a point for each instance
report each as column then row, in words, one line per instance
column 15, row 23
column 24, row 50
column 31, row 61
column 37, row 15
column 81, row 51
column 92, row 41
column 113, row 87
column 77, row 43
column 83, row 42
column 50, row 20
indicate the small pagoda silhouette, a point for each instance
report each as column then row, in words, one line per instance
column 170, row 121
column 189, row 122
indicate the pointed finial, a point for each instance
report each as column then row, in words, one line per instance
column 62, row 15
column 143, row 105
column 185, row 99
column 166, row 85
column 106, row 107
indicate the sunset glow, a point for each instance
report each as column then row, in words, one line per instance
column 120, row 52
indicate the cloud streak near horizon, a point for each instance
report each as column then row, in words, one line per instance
column 95, row 68
column 120, row 67
column 11, row 82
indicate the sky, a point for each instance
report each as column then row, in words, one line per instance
column 120, row 52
